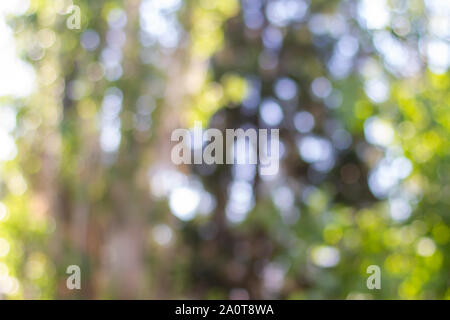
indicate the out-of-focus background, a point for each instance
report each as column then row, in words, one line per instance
column 359, row 89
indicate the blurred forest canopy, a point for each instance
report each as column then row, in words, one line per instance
column 359, row 89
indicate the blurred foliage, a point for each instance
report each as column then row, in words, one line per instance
column 92, row 183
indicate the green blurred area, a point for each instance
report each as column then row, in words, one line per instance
column 362, row 90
